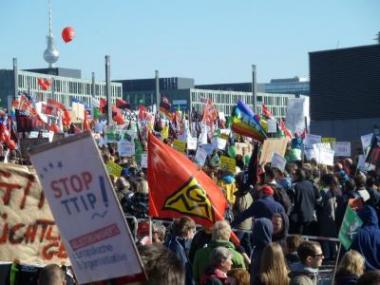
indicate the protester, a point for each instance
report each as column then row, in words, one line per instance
column 161, row 265
column 280, row 223
column 238, row 276
column 221, row 233
column 367, row 240
column 292, row 244
column 350, row 268
column 200, row 240
column 179, row 241
column 220, row 263
column 261, row 237
column 370, row 278
column 306, row 271
column 52, row 274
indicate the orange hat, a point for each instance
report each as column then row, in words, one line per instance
column 267, row 190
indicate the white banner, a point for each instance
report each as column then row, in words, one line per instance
column 86, row 210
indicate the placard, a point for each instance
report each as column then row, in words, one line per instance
column 219, row 143
column 278, row 161
column 144, row 160
column 114, row 168
column 272, row 126
column 366, row 141
column 228, row 163
column 86, row 210
column 28, row 231
column 191, row 143
column 126, row 148
column 343, row 149
column 200, row 156
column 270, row 146
column 179, row 145
column 311, row 139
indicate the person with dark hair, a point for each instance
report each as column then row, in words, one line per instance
column 51, row 274
column 306, row 271
column 280, row 223
column 306, row 199
column 367, row 240
column 370, row 278
column 201, row 238
column 179, row 241
column 161, row 265
column 292, row 244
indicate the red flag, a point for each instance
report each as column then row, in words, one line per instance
column 283, row 128
column 177, row 187
column 266, row 112
column 122, row 104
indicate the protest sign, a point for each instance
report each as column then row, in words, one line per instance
column 191, row 143
column 126, row 148
column 113, row 168
column 179, row 145
column 209, row 148
column 200, row 156
column 272, row 126
column 219, row 143
column 342, row 149
column 28, row 230
column 297, row 110
column 323, row 153
column 270, row 146
column 366, row 142
column 243, row 148
column 350, row 226
column 228, row 163
column 278, row 161
column 86, row 210
column 144, row 160
column 311, row 139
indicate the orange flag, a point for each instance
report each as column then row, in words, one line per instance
column 177, row 187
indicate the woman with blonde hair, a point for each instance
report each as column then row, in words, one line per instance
column 273, row 269
column 350, row 268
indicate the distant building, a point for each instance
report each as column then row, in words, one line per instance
column 345, row 91
column 64, row 89
column 183, row 94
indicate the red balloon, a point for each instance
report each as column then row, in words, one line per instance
column 68, row 34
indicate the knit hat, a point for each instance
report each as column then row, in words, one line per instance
column 267, row 190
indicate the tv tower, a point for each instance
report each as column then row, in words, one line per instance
column 51, row 54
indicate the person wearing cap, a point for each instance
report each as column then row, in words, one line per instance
column 264, row 207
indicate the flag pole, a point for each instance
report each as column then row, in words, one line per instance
column 336, row 263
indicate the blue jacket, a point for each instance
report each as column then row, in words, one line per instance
column 265, row 207
column 261, row 237
column 367, row 241
column 181, row 247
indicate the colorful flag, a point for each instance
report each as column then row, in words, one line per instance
column 177, row 187
column 350, row 226
column 247, row 123
column 266, row 112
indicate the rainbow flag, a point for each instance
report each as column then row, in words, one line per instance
column 245, row 122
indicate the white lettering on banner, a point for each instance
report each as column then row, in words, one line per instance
column 342, row 149
column 80, row 193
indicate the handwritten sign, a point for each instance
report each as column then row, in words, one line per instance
column 126, row 148
column 86, row 210
column 366, row 141
column 278, row 161
column 219, row 143
column 311, row 139
column 200, row 156
column 28, row 230
column 272, row 126
column 342, row 149
column 271, row 146
column 144, row 160
column 191, row 143
column 228, row 163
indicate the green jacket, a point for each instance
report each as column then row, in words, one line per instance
column 202, row 258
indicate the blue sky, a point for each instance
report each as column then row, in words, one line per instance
column 212, row 41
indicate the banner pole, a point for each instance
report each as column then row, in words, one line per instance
column 336, row 263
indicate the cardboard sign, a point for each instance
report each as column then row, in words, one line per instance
column 179, row 145
column 126, row 148
column 271, row 146
column 191, row 143
column 86, row 210
column 278, row 161
column 343, row 149
column 243, row 148
column 200, row 156
column 27, row 229
column 114, row 169
column 228, row 163
column 272, row 126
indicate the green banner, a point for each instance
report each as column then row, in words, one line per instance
column 350, row 226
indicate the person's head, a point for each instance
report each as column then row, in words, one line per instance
column 273, row 267
column 184, row 227
column 352, row 262
column 158, row 234
column 360, row 180
column 122, row 184
column 51, row 274
column 238, row 276
column 293, row 242
column 310, row 254
column 221, row 230
column 269, row 173
column 161, row 265
column 221, row 258
column 299, row 174
column 370, row 278
column 278, row 223
column 142, row 186
column 349, row 185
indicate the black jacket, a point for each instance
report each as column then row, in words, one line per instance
column 306, row 198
